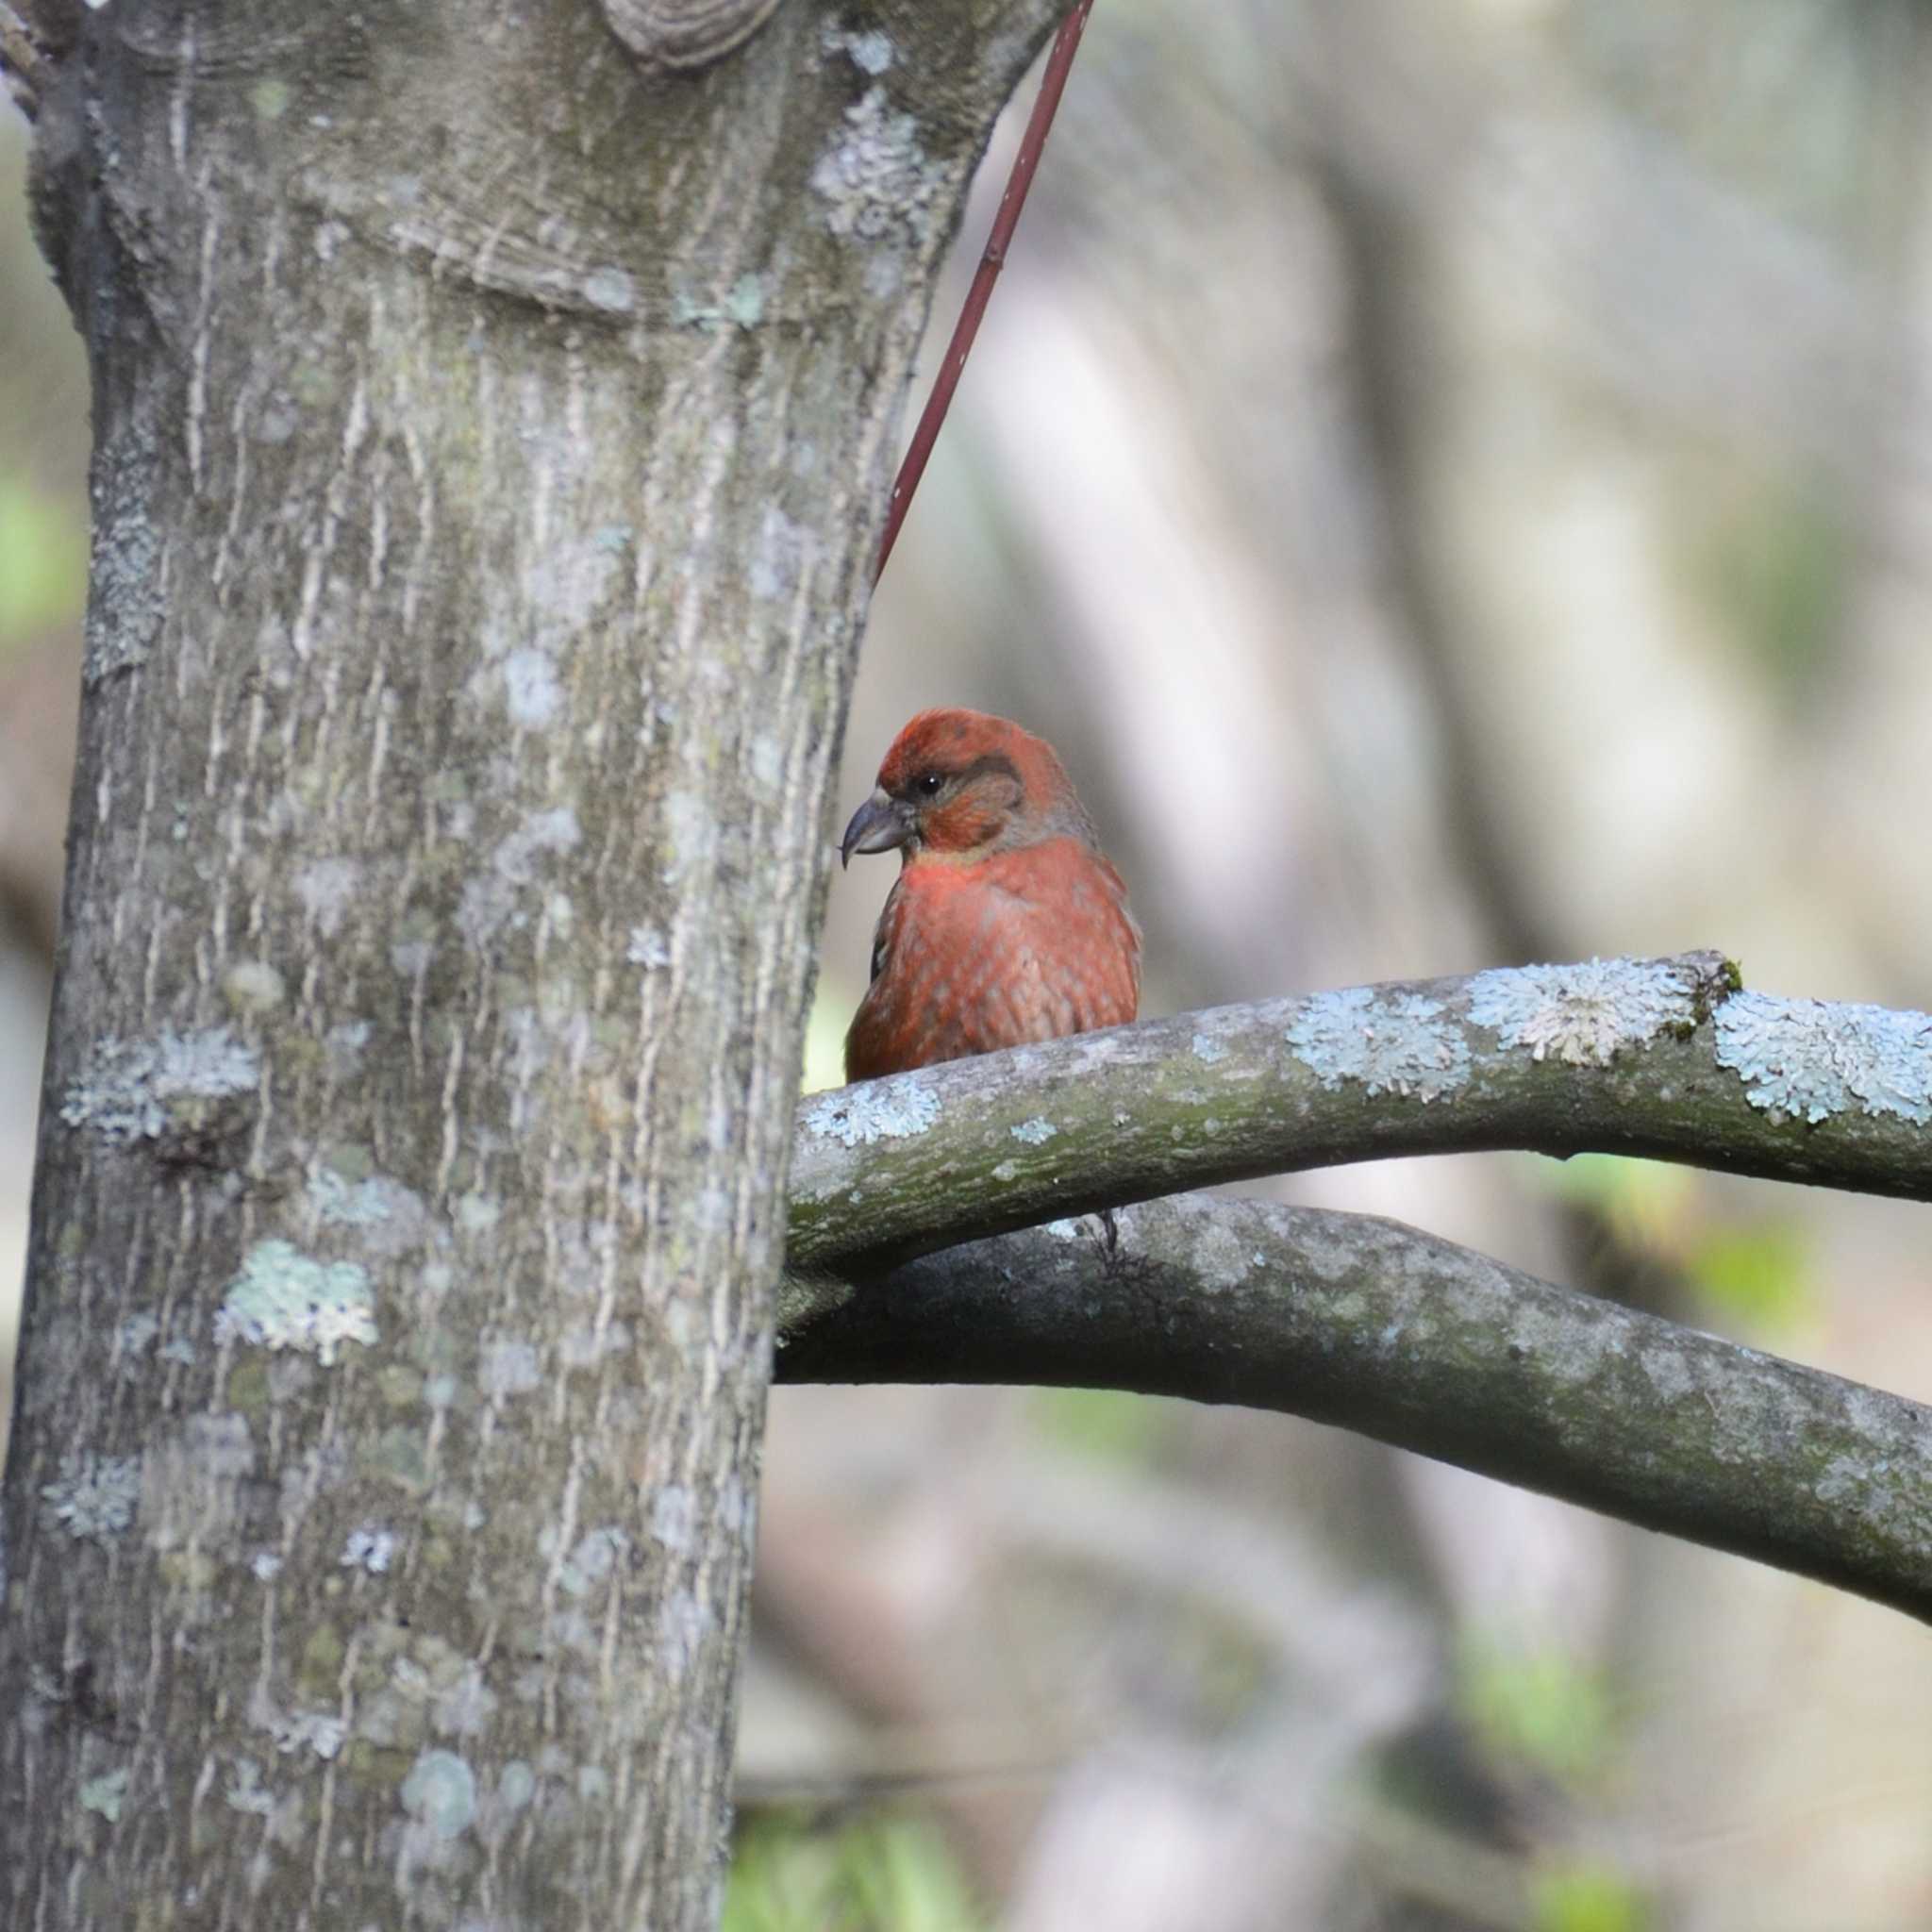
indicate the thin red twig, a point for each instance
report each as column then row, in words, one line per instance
column 1066, row 42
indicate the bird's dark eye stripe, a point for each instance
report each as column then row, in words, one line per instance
column 930, row 784
column 993, row 762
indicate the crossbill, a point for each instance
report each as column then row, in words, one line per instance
column 1007, row 923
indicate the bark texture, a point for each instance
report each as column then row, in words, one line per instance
column 1670, row 1059
column 1347, row 1319
column 491, row 436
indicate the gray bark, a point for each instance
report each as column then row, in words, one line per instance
column 1667, row 1058
column 1348, row 1319
column 491, row 431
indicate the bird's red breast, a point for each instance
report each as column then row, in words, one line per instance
column 1008, row 924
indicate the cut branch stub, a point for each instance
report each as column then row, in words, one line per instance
column 684, row 35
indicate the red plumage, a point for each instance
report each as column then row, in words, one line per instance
column 1006, row 924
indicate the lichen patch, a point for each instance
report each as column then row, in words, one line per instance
column 105, row 1795
column 1585, row 1014
column 1400, row 1043
column 286, row 1299
column 1813, row 1060
column 94, row 1496
column 441, row 1794
column 893, row 1109
column 147, row 1090
column 876, row 181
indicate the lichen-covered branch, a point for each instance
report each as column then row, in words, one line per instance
column 1364, row 1323
column 1667, row 1058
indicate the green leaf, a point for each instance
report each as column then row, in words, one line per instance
column 1758, row 1274
column 889, row 1874
column 1539, row 1708
column 1646, row 1202
column 1111, row 1425
column 42, row 562
column 1587, row 1898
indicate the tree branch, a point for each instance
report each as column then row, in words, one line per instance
column 1362, row 1322
column 1665, row 1058
column 23, row 59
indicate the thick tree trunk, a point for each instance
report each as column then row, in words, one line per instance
column 490, row 432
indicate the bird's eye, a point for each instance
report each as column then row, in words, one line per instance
column 928, row 783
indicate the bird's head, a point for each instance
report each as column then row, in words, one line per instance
column 960, row 785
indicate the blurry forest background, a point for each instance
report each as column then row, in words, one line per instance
column 1453, row 481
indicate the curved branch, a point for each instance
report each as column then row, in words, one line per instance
column 1351, row 1320
column 1665, row 1058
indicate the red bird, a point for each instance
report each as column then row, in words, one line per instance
column 1007, row 923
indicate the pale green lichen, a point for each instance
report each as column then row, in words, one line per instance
column 876, row 181
column 869, row 51
column 94, row 1497
column 595, row 1555
column 465, row 1708
column 144, row 1090
column 371, row 1548
column 440, row 1793
column 1813, row 1059
column 105, row 1794
column 508, row 1368
column 1396, row 1042
column 1035, row 1132
column 683, row 1624
column 246, row 1792
column 673, row 1518
column 876, row 1110
column 490, row 898
column 610, row 288
column 1584, row 1014
column 477, row 1213
column 746, row 304
column 742, row 306
column 647, row 948
column 531, row 693
column 286, row 1299
column 389, row 1217
column 253, row 987
column 138, row 1331
column 785, row 551
column 328, row 890
column 311, row 1730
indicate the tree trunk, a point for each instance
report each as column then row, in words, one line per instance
column 491, row 436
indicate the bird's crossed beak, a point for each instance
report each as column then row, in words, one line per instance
column 880, row 824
